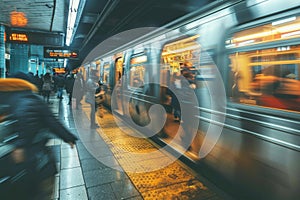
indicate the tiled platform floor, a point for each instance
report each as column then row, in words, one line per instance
column 119, row 175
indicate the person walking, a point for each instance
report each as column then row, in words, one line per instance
column 34, row 123
column 60, row 83
column 91, row 86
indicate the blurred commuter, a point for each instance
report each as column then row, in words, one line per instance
column 60, row 84
column 78, row 89
column 91, row 86
column 32, row 165
column 38, row 82
column 69, row 86
column 188, row 75
column 99, row 98
column 176, row 87
column 46, row 88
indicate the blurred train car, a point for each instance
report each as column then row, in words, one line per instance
column 243, row 60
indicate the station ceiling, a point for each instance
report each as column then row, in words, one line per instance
column 100, row 19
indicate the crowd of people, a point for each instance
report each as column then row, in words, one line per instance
column 57, row 83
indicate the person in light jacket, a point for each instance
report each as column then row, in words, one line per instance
column 91, row 87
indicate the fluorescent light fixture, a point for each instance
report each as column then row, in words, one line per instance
column 293, row 27
column 282, row 21
column 65, row 63
column 193, row 47
column 283, row 29
column 230, row 46
column 290, row 34
column 192, row 25
column 284, row 48
column 73, row 8
column 246, row 42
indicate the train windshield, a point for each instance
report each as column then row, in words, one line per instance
column 265, row 65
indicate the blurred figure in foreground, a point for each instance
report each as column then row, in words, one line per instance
column 29, row 167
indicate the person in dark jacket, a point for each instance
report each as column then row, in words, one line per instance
column 78, row 89
column 34, row 123
column 69, row 86
column 60, row 84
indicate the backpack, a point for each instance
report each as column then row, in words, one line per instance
column 46, row 86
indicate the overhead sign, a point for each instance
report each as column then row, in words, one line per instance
column 18, row 37
column 59, row 70
column 50, row 52
column 34, row 37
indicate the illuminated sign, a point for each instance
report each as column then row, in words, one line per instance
column 59, row 70
column 21, row 37
column 18, row 19
column 59, row 53
column 17, row 35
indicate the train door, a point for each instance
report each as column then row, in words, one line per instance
column 105, row 79
column 180, row 62
column 118, row 70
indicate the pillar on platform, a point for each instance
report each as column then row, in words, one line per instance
column 2, row 51
column 19, row 57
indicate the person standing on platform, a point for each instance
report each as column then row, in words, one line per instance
column 32, row 165
column 60, row 83
column 69, row 87
column 46, row 86
column 91, row 86
column 78, row 89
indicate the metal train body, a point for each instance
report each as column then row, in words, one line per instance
column 245, row 62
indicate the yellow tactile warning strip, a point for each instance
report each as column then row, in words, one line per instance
column 169, row 182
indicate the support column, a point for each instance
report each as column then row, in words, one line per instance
column 2, row 52
column 19, row 58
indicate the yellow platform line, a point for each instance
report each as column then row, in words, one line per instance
column 138, row 157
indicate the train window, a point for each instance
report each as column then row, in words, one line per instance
column 184, row 53
column 269, row 76
column 275, row 31
column 119, row 69
column 105, row 77
column 137, row 70
column 98, row 64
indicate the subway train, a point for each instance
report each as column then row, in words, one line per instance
column 221, row 87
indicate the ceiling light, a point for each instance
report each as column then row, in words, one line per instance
column 73, row 7
column 18, row 19
column 283, row 21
